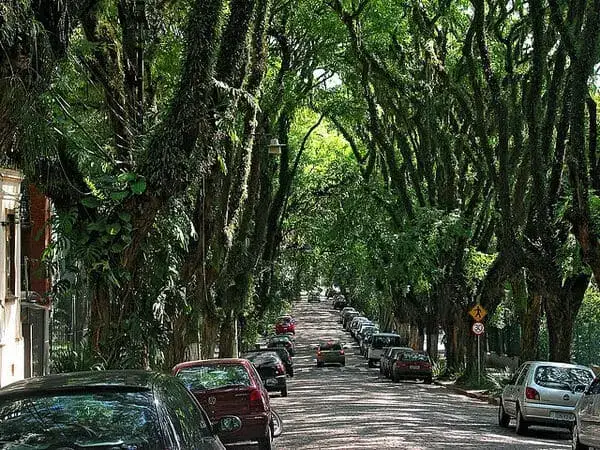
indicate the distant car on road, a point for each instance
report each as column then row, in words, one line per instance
column 271, row 369
column 586, row 429
column 285, row 324
column 125, row 409
column 543, row 393
column 330, row 351
column 339, row 302
column 412, row 365
column 231, row 386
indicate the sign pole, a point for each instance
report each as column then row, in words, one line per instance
column 478, row 360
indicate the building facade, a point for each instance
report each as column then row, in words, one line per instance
column 12, row 356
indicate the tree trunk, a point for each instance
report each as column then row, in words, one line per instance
column 228, row 336
column 530, row 328
column 562, row 307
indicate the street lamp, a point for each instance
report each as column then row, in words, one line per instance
column 275, row 147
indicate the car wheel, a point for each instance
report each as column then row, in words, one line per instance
column 319, row 364
column 370, row 363
column 427, row 381
column 343, row 363
column 284, row 392
column 503, row 418
column 522, row 424
column 291, row 373
column 575, row 442
column 265, row 443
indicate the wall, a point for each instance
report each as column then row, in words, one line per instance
column 11, row 338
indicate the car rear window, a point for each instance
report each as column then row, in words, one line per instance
column 214, row 376
column 330, row 346
column 555, row 377
column 413, row 356
column 385, row 341
column 80, row 420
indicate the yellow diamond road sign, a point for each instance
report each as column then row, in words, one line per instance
column 478, row 312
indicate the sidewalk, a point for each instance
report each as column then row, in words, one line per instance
column 472, row 393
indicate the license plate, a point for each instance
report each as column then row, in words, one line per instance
column 271, row 382
column 562, row 416
column 414, row 367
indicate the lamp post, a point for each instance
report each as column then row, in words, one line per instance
column 275, row 147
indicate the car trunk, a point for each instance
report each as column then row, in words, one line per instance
column 266, row 371
column 222, row 402
column 559, row 397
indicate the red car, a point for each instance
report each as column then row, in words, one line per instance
column 285, row 324
column 227, row 386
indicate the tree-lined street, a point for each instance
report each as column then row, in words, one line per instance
column 352, row 407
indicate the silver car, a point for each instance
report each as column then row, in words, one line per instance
column 586, row 430
column 543, row 393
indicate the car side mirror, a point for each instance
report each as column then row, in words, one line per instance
column 228, row 424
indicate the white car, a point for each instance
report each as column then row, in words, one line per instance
column 378, row 342
column 586, row 430
column 543, row 393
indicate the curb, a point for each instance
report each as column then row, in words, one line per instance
column 476, row 395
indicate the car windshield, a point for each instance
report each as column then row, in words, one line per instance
column 556, row 377
column 263, row 358
column 379, row 342
column 214, row 376
column 99, row 420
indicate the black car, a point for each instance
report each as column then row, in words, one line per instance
column 281, row 341
column 283, row 354
column 271, row 370
column 106, row 409
column 339, row 302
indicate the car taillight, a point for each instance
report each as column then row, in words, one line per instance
column 256, row 400
column 401, row 364
column 531, row 394
column 341, row 352
column 280, row 368
column 319, row 353
column 426, row 366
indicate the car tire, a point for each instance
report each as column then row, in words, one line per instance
column 291, row 373
column 371, row 364
column 503, row 418
column 284, row 392
column 265, row 443
column 395, row 378
column 344, row 363
column 576, row 443
column 427, row 381
column 522, row 424
column 319, row 364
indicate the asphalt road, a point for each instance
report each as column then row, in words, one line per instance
column 353, row 408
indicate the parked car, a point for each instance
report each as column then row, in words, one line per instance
column 543, row 393
column 339, row 302
column 282, row 341
column 283, row 354
column 356, row 322
column 231, row 386
column 586, row 428
column 376, row 344
column 389, row 357
column 330, row 351
column 271, row 369
column 314, row 297
column 107, row 409
column 285, row 324
column 412, row 365
column 348, row 317
column 344, row 311
column 364, row 337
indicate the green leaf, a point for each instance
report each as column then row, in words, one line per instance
column 125, row 217
column 114, row 228
column 90, row 202
column 127, row 176
column 119, row 195
column 139, row 186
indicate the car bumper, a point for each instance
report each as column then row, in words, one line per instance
column 254, row 427
column 420, row 374
column 545, row 414
column 330, row 360
column 275, row 384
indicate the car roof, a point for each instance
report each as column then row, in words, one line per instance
column 557, row 364
column 385, row 334
column 211, row 362
column 75, row 381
